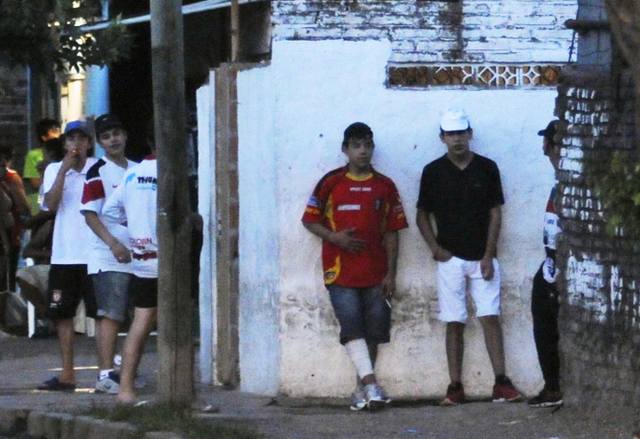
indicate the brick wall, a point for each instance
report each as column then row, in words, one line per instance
column 13, row 110
column 432, row 31
column 600, row 314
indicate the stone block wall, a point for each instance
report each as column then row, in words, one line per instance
column 13, row 108
column 600, row 313
column 431, row 31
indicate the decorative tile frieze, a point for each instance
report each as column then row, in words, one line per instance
column 498, row 76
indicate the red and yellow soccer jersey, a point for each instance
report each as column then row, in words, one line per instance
column 371, row 205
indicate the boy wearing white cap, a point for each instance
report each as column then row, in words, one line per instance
column 463, row 192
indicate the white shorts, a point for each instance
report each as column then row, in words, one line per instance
column 452, row 286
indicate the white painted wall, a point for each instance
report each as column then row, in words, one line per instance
column 260, row 236
column 291, row 117
column 205, row 98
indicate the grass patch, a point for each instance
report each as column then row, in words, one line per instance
column 180, row 421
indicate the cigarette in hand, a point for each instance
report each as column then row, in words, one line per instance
column 388, row 303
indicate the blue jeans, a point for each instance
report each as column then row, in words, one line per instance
column 111, row 289
column 362, row 313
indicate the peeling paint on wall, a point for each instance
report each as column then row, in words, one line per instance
column 599, row 324
column 472, row 31
column 586, row 285
column 310, row 100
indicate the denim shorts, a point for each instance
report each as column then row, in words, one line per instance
column 111, row 288
column 363, row 313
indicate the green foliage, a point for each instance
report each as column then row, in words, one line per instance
column 151, row 417
column 48, row 34
column 617, row 184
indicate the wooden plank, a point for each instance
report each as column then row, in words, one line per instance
column 226, row 207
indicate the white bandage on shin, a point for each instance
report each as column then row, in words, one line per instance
column 359, row 354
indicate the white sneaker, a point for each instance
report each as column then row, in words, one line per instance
column 375, row 397
column 109, row 384
column 358, row 398
column 385, row 398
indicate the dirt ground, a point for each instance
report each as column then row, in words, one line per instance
column 472, row 421
column 24, row 363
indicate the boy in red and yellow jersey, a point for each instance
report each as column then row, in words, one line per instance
column 357, row 212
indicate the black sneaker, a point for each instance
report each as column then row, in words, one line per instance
column 375, row 397
column 546, row 398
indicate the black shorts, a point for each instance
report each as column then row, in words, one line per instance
column 144, row 292
column 68, row 284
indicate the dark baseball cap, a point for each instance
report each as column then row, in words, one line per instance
column 357, row 130
column 550, row 131
column 107, row 122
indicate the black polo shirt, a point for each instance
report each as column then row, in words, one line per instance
column 460, row 200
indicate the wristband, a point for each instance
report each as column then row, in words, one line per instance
column 113, row 245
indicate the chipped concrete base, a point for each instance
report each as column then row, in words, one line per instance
column 13, row 420
column 47, row 425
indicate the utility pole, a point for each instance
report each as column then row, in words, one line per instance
column 235, row 31
column 175, row 347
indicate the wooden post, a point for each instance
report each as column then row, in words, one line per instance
column 235, row 31
column 226, row 134
column 175, row 347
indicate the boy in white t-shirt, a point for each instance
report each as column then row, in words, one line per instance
column 108, row 264
column 68, row 280
column 135, row 201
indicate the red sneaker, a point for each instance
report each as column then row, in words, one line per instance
column 503, row 391
column 455, row 395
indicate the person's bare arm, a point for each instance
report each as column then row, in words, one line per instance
column 119, row 251
column 39, row 219
column 5, row 202
column 495, row 223
column 15, row 187
column 391, row 243
column 53, row 197
column 423, row 222
column 35, row 183
column 342, row 239
column 38, row 247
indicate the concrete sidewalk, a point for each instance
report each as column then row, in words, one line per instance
column 24, row 363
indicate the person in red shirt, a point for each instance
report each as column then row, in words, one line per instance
column 12, row 188
column 357, row 212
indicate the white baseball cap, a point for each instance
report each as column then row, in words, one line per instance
column 454, row 119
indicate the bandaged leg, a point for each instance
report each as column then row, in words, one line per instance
column 359, row 354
